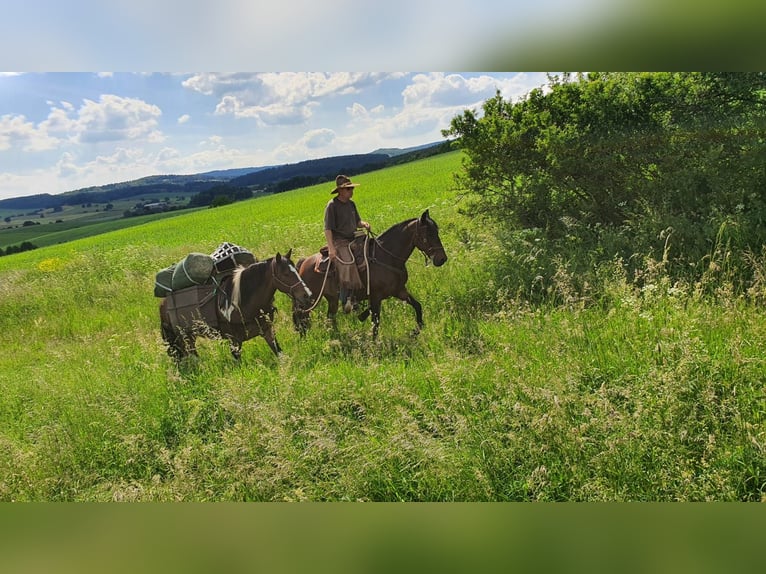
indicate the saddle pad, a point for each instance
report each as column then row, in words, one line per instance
column 189, row 307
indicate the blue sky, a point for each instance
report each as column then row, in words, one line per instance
column 64, row 131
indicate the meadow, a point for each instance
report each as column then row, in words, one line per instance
column 652, row 393
column 78, row 221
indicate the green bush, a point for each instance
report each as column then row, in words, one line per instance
column 665, row 166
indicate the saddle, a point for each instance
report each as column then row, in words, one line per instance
column 357, row 249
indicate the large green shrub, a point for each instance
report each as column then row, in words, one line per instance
column 668, row 166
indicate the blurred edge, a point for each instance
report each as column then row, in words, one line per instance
column 603, row 35
column 381, row 537
column 638, row 36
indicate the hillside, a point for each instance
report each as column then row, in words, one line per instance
column 95, row 210
column 652, row 393
column 320, row 170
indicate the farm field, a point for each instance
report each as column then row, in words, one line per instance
column 656, row 396
column 74, row 222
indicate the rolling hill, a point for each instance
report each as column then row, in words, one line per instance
column 301, row 173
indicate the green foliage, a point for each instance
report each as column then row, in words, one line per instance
column 220, row 195
column 11, row 249
column 612, row 164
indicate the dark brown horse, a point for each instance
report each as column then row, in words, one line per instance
column 239, row 308
column 386, row 257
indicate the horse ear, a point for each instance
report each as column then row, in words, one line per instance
column 278, row 257
column 289, row 253
column 425, row 216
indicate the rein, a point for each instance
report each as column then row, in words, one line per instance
column 427, row 253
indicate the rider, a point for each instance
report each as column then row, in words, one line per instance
column 341, row 220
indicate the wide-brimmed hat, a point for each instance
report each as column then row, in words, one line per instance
column 343, row 181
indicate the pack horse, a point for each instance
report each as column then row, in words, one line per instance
column 236, row 307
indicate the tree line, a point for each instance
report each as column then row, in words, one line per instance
column 600, row 166
column 11, row 249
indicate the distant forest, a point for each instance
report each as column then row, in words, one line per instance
column 269, row 180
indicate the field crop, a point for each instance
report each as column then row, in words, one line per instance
column 657, row 395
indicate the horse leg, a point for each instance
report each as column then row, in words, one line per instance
column 172, row 339
column 271, row 339
column 190, row 344
column 405, row 296
column 236, row 349
column 182, row 345
column 301, row 319
column 332, row 309
column 415, row 304
column 375, row 314
column 274, row 345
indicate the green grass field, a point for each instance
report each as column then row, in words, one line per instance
column 658, row 396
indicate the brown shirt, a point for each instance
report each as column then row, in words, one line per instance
column 341, row 218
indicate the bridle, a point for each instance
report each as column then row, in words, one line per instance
column 288, row 287
column 420, row 237
column 430, row 250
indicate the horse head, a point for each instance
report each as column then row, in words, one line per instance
column 288, row 280
column 428, row 241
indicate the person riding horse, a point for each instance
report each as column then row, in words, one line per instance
column 386, row 258
column 341, row 220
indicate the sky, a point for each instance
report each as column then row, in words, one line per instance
column 62, row 131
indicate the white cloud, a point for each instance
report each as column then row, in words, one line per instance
column 276, row 113
column 273, row 98
column 212, row 141
column 112, row 118
column 315, row 139
column 18, row 132
column 208, row 158
column 312, row 144
column 168, row 154
column 115, row 118
column 454, row 90
column 183, row 119
column 66, row 166
column 357, row 111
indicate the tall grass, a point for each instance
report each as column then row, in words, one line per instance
column 653, row 392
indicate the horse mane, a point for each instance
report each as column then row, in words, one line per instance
column 236, row 279
column 395, row 227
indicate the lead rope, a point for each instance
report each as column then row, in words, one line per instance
column 321, row 291
column 367, row 262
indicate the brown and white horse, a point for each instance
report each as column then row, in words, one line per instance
column 243, row 308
